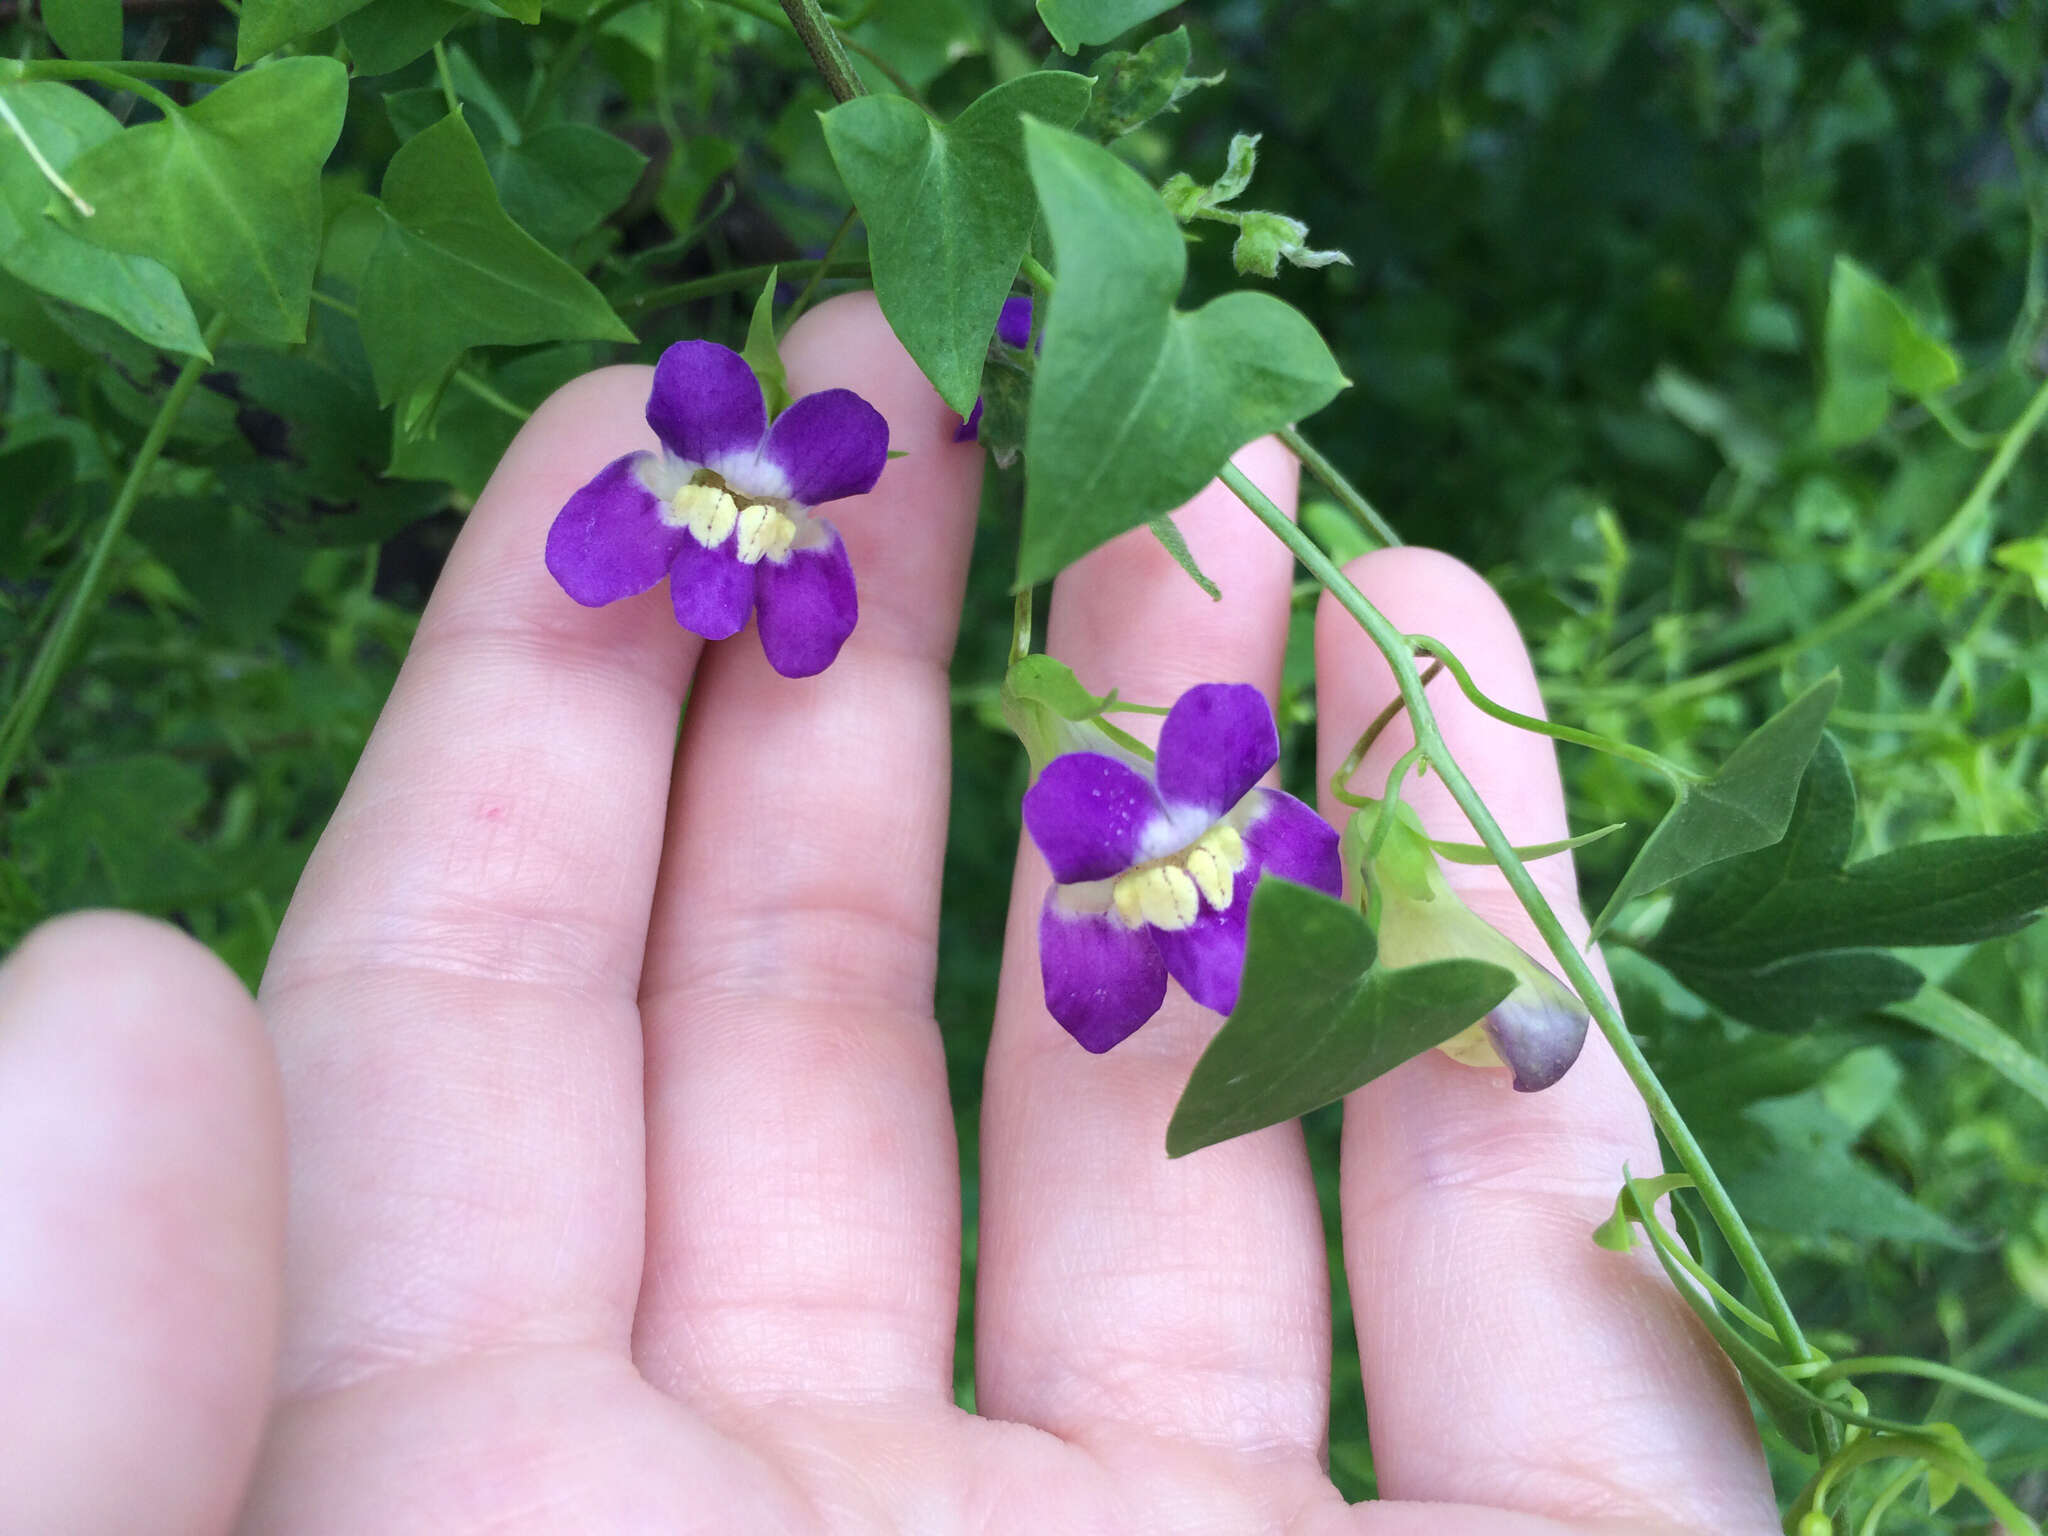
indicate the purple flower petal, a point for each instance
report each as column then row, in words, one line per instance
column 828, row 445
column 808, row 605
column 1218, row 741
column 1102, row 980
column 1288, row 839
column 1013, row 325
column 609, row 542
column 706, row 405
column 1538, row 1029
column 712, row 589
column 1088, row 814
column 969, row 431
column 1207, row 958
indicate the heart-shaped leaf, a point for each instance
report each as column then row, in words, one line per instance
column 452, row 271
column 949, row 212
column 133, row 291
column 226, row 193
column 1747, row 805
column 1318, row 1018
column 1138, row 405
column 1874, row 347
column 1078, row 24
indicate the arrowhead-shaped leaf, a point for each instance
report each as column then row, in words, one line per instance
column 1745, row 806
column 452, row 271
column 226, row 193
column 949, row 212
column 1138, row 405
column 133, row 291
column 85, row 29
column 1874, row 347
column 268, row 25
column 1790, row 933
column 389, row 34
column 1077, row 24
column 1318, row 1018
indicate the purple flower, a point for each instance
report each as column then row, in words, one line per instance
column 1013, row 329
column 724, row 510
column 1155, row 872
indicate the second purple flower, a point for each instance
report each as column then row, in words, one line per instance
column 1154, row 874
column 724, row 510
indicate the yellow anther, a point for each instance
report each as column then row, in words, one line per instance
column 1168, row 898
column 708, row 512
column 756, row 529
column 1126, row 893
column 1215, row 879
column 1223, row 841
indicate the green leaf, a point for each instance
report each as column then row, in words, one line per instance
column 558, row 183
column 1318, row 1018
column 1137, row 405
column 303, row 421
column 387, row 35
column 1746, row 805
column 1803, row 1177
column 949, row 212
column 239, row 573
column 268, row 25
column 226, row 193
column 1077, row 24
column 135, row 292
column 1959, row 1024
column 1874, row 347
column 1133, row 88
column 760, row 351
column 451, row 271
column 1050, row 712
column 113, row 833
column 1792, row 932
column 85, row 29
column 1168, row 533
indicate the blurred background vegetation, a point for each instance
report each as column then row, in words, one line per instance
column 1592, row 247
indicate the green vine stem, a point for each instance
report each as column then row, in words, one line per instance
column 2010, row 445
column 821, row 41
column 1685, row 1147
column 1572, row 734
column 1340, row 781
column 43, row 672
column 735, row 278
column 118, row 75
column 1353, row 500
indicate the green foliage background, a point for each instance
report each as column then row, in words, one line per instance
column 1589, row 323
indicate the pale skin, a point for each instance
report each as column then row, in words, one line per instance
column 622, row 1193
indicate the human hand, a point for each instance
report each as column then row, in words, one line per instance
column 623, row 1193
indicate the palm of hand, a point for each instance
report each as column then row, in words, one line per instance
column 623, row 1187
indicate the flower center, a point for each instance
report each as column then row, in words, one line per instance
column 1169, row 892
column 712, row 514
